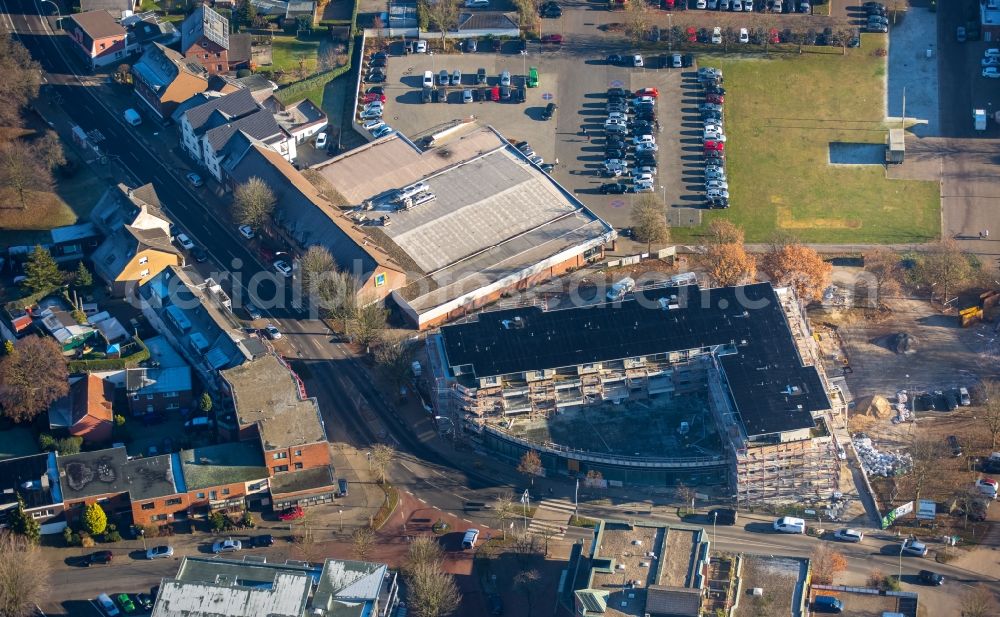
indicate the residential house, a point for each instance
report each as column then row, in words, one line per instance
column 227, row 476
column 164, row 386
column 98, row 37
column 195, row 315
column 308, row 218
column 485, row 23
column 272, row 408
column 207, row 129
column 259, row 86
column 138, row 246
column 147, row 28
column 163, row 79
column 54, row 318
column 86, row 411
column 72, row 242
column 205, row 587
column 205, row 39
column 95, row 477
column 296, row 9
column 35, row 480
column 301, row 119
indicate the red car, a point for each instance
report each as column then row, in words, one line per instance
column 653, row 92
column 376, row 93
column 773, row 37
column 667, row 5
column 290, row 514
column 495, row 93
column 554, row 39
column 718, row 146
column 718, row 99
column 692, row 35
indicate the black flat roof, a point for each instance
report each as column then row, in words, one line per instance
column 772, row 390
column 24, row 475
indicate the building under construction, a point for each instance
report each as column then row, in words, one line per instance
column 749, row 348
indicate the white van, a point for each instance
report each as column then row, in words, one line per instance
column 132, row 117
column 469, row 541
column 428, row 79
column 619, row 289
column 790, row 524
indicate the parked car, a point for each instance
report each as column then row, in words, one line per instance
column 283, row 268
column 342, row 487
column 194, row 179
column 550, row 109
column 128, row 607
column 160, row 552
column 143, row 601
column 956, row 447
column 913, row 547
column 246, row 231
column 200, row 255
column 723, row 516
column 552, row 39
column 261, row 541
column 827, row 604
column 614, row 188
column 109, row 608
column 252, row 310
column 103, row 558
column 227, row 546
column 291, row 514
column 272, row 332
column 988, row 487
column 184, row 241
column 789, row 524
column 849, row 535
column 991, row 72
column 930, row 578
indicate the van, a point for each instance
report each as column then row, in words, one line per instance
column 107, row 605
column 790, row 524
column 619, row 289
column 827, row 604
column 132, row 117
column 342, row 486
column 469, row 541
column 199, row 422
column 428, row 79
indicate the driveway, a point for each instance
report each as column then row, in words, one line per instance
column 913, row 70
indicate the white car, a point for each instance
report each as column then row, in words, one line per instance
column 992, row 52
column 913, row 547
column 505, row 78
column 321, row 141
column 701, row 4
column 643, row 187
column 184, row 241
column 991, row 72
column 637, row 61
column 160, row 552
column 713, row 136
column 643, row 139
column 246, row 231
column 737, row 5
column 716, row 185
column 744, row 34
column 283, row 268
column 643, row 100
column 713, row 127
column 644, row 172
column 991, row 61
column 713, row 193
column 987, row 486
column 420, row 47
column 616, row 122
column 272, row 332
column 476, row 4
column 371, row 114
column 640, row 177
column 617, row 115
column 644, row 148
column 716, row 35
column 849, row 535
column 372, row 125
column 227, row 546
column 715, row 173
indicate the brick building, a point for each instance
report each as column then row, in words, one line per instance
column 272, row 407
column 164, row 79
column 205, row 39
column 35, row 480
column 99, row 38
column 86, row 411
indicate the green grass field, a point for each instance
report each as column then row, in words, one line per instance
column 782, row 113
column 288, row 51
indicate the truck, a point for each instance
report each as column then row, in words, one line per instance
column 979, row 117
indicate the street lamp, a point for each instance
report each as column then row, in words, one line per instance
column 341, row 512
column 715, row 515
column 58, row 14
column 524, row 65
column 670, row 32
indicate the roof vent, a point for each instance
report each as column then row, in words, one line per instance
column 637, row 542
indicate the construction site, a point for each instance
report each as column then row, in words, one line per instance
column 674, row 385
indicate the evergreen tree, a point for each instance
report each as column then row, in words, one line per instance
column 205, row 404
column 95, row 521
column 83, row 278
column 22, row 523
column 42, row 270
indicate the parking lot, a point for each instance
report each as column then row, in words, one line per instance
column 581, row 102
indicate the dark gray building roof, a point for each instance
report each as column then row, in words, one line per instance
column 221, row 110
column 31, row 477
column 90, row 474
column 98, row 24
column 239, row 48
column 204, row 22
column 302, row 480
column 771, row 388
column 486, row 20
column 259, row 125
column 115, row 6
column 227, row 463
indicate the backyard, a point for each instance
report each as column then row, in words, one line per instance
column 296, row 57
column 782, row 114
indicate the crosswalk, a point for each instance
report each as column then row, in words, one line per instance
column 551, row 518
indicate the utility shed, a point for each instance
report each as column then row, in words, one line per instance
column 895, row 146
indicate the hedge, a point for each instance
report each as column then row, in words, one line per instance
column 30, row 300
column 111, row 364
column 294, row 92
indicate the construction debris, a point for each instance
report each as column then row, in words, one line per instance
column 884, row 464
column 901, row 342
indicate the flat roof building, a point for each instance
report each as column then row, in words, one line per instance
column 740, row 345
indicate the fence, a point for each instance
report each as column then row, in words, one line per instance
column 294, row 92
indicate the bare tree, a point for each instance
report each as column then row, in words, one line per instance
column 991, row 411
column 722, row 231
column 525, row 546
column 369, row 322
column 527, row 582
column 253, row 202
column 503, row 510
column 433, row 591
column 26, row 165
column 423, row 551
column 22, row 77
column 382, row 456
column 443, row 15
column 979, row 601
column 637, row 15
column 729, row 37
column 362, row 541
column 649, row 221
column 884, row 271
column 827, row 564
column 393, row 356
column 24, row 576
column 338, row 296
column 944, row 268
column 316, row 264
column 926, row 456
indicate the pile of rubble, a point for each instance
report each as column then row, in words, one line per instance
column 885, row 464
column 902, row 412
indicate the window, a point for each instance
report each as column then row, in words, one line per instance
column 225, row 491
column 298, row 465
column 280, row 468
column 41, row 514
column 201, row 495
column 149, row 506
column 170, row 394
column 218, row 67
column 158, row 517
column 298, row 453
column 102, row 46
column 144, row 273
column 280, row 455
column 143, row 260
column 149, row 397
column 173, row 501
column 213, row 495
column 218, row 54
